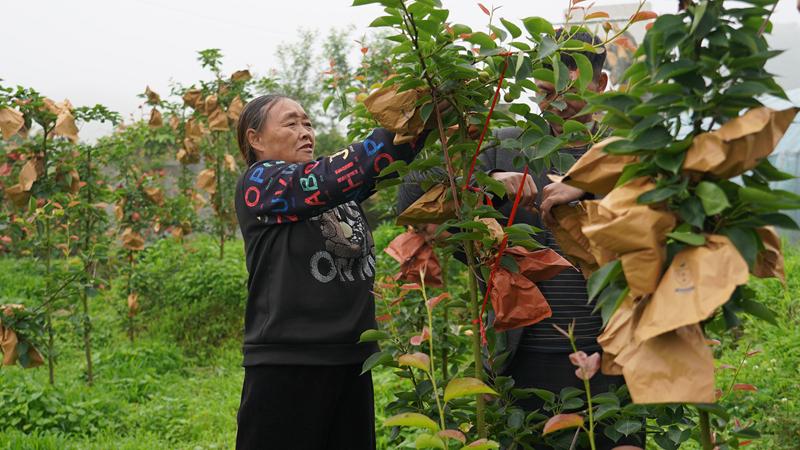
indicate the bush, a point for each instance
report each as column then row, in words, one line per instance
column 189, row 295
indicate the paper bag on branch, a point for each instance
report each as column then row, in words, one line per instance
column 11, row 121
column 132, row 240
column 18, row 196
column 156, row 119
column 414, row 254
column 28, row 175
column 65, row 126
column 155, row 194
column 192, row 98
column 739, row 144
column 769, row 262
column 675, row 367
column 601, row 255
column 397, row 111
column 597, row 171
column 698, row 281
column 495, row 229
column 133, row 304
column 241, row 75
column 9, row 341
column 217, row 119
column 538, row 265
column 433, row 206
column 207, row 180
column 152, row 97
column 617, row 336
column 636, row 233
column 235, row 108
column 571, row 240
column 516, row 301
column 230, row 162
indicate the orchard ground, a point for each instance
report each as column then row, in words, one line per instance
column 174, row 389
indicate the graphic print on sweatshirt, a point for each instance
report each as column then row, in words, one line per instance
column 349, row 248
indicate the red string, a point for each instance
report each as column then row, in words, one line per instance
column 500, row 251
column 486, row 123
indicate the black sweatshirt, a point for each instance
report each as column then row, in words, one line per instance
column 310, row 255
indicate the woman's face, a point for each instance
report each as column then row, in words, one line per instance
column 286, row 134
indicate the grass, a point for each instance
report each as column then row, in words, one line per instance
column 151, row 394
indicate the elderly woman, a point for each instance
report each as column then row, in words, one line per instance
column 311, row 269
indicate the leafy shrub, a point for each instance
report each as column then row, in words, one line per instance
column 28, row 405
column 188, row 294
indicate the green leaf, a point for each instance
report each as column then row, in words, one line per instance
column 654, row 138
column 428, row 441
column 670, row 161
column 481, row 444
column 546, row 146
column 413, row 420
column 548, row 397
column 376, row 359
column 601, row 277
column 538, row 25
column 372, row 336
column 481, row 39
column 585, row 70
column 513, row 29
column 688, row 237
column 544, row 75
column 495, row 187
column 712, row 197
column 605, row 411
column 659, row 194
column 746, row 241
column 759, row 310
column 466, row 387
column 676, row 68
column 627, row 426
column 386, row 21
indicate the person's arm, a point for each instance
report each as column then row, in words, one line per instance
column 277, row 191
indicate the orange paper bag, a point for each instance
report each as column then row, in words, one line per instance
column 597, row 171
column 433, row 206
column 698, row 281
column 538, row 265
column 516, row 301
column 397, row 112
column 739, row 144
column 414, row 255
column 675, row 367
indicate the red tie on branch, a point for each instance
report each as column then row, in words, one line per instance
column 467, row 180
column 486, row 123
column 500, row 251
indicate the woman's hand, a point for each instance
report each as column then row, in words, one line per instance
column 557, row 194
column 512, row 181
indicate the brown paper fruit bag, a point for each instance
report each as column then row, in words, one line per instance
column 538, row 265
column 571, row 240
column 698, row 281
column 769, row 262
column 9, row 341
column 597, row 171
column 739, row 144
column 414, row 254
column 516, row 301
column 397, row 112
column 434, row 206
column 617, row 336
column 675, row 367
column 635, row 232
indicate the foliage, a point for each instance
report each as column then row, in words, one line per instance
column 190, row 296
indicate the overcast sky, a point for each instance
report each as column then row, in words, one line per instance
column 101, row 51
